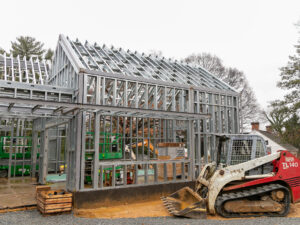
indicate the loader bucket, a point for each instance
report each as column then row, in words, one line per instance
column 185, row 203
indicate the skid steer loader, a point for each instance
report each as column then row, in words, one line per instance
column 243, row 189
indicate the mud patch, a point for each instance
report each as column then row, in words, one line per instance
column 17, row 193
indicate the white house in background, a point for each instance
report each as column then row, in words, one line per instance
column 273, row 142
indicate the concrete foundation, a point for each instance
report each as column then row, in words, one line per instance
column 121, row 196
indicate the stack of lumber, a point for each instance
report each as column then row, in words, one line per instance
column 54, row 201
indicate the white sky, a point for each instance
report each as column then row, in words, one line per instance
column 255, row 36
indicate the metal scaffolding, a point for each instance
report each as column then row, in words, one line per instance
column 106, row 102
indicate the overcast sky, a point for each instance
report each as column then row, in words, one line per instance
column 255, row 36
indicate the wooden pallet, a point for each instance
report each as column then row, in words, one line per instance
column 54, row 201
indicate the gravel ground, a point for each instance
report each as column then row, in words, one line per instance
column 34, row 217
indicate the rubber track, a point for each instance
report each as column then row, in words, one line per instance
column 223, row 198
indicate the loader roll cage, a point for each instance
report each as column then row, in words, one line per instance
column 235, row 149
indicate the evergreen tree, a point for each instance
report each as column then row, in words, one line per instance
column 49, row 54
column 284, row 114
column 291, row 132
column 290, row 80
column 27, row 46
column 2, row 51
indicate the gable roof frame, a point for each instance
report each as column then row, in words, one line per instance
column 71, row 54
column 80, row 66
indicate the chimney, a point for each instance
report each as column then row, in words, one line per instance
column 255, row 125
column 269, row 129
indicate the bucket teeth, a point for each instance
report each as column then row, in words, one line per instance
column 178, row 206
column 169, row 205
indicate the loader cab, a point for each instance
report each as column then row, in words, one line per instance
column 242, row 148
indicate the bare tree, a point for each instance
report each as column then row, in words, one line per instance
column 276, row 115
column 249, row 108
column 234, row 77
column 212, row 63
column 156, row 53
